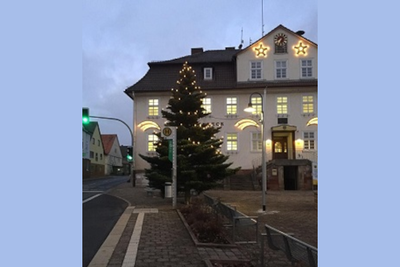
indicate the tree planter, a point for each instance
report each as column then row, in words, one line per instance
column 228, row 263
column 197, row 242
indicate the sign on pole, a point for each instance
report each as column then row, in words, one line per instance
column 169, row 133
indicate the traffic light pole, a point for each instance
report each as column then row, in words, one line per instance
column 133, row 172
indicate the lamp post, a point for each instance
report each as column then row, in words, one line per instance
column 263, row 156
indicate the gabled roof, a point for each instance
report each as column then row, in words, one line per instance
column 162, row 75
column 108, row 141
column 280, row 26
column 90, row 127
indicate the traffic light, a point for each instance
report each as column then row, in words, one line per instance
column 85, row 116
column 129, row 153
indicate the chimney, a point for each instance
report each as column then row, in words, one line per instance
column 230, row 48
column 197, row 50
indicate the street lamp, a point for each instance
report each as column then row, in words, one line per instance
column 250, row 108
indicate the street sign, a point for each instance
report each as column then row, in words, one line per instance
column 170, row 150
column 168, row 133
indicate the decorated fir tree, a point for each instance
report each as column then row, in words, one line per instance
column 200, row 163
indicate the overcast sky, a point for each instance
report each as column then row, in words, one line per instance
column 119, row 38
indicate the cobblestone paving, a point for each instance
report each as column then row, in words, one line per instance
column 165, row 241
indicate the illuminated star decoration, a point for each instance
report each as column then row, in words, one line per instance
column 261, row 51
column 301, row 48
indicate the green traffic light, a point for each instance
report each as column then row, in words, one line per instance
column 85, row 116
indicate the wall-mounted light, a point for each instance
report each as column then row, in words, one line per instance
column 299, row 143
column 313, row 121
column 246, row 123
column 268, row 143
column 261, row 50
column 145, row 125
column 301, row 49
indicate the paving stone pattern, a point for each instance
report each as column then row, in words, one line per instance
column 164, row 240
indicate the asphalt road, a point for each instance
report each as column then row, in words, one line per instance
column 99, row 217
column 100, row 213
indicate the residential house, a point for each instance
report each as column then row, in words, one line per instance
column 85, row 153
column 284, row 65
column 112, row 153
column 96, row 154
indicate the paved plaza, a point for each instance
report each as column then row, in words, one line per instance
column 151, row 233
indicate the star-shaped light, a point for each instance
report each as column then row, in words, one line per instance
column 301, row 49
column 261, row 50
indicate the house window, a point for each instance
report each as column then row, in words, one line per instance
column 208, row 75
column 101, row 156
column 255, row 70
column 98, row 142
column 153, row 107
column 231, row 105
column 309, row 140
column 306, row 68
column 281, row 69
column 256, row 142
column 91, row 154
column 152, row 139
column 206, row 104
column 93, row 141
column 97, row 157
column 281, row 49
column 256, row 102
column 231, row 142
column 281, row 105
column 308, row 104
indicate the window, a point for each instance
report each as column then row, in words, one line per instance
column 231, row 142
column 256, row 102
column 309, row 140
column 306, row 68
column 308, row 104
column 278, row 148
column 98, row 142
column 256, row 142
column 281, row 105
column 206, row 104
column 93, row 141
column 208, row 75
column 101, row 156
column 231, row 105
column 282, row 120
column 151, row 139
column 281, row 49
column 255, row 70
column 91, row 154
column 97, row 157
column 153, row 107
column 280, row 69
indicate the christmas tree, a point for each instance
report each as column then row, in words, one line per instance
column 200, row 163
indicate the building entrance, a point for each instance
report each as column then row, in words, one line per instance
column 290, row 177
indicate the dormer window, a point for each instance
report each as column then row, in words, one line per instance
column 208, row 74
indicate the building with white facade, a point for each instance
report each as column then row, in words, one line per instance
column 278, row 74
column 112, row 153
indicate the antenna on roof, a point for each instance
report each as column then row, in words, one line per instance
column 262, row 18
column 241, row 40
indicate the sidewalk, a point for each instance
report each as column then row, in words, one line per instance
column 150, row 233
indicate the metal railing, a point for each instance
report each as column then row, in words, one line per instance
column 296, row 250
column 239, row 222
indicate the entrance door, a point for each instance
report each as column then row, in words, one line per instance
column 290, row 177
column 280, row 148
